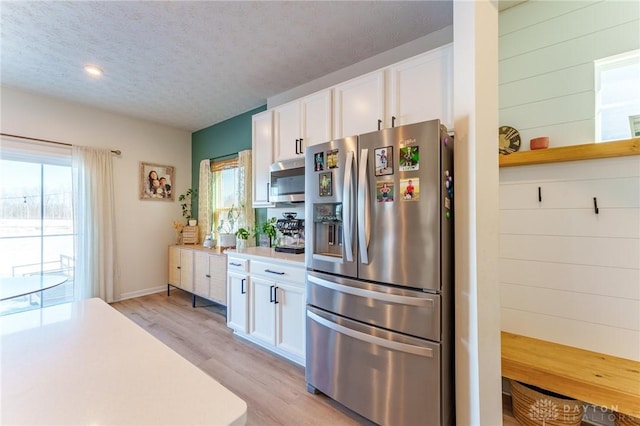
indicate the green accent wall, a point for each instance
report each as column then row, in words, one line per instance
column 227, row 137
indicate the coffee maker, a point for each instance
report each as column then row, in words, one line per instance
column 292, row 230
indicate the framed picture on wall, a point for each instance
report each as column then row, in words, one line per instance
column 156, row 182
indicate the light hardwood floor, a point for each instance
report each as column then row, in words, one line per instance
column 273, row 388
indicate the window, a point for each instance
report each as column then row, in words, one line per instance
column 36, row 223
column 225, row 195
column 617, row 95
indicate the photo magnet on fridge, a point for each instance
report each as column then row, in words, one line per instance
column 409, row 158
column 325, row 184
column 410, row 189
column 332, row 159
column 384, row 161
column 384, row 191
column 318, row 161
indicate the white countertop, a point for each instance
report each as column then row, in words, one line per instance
column 85, row 363
column 267, row 252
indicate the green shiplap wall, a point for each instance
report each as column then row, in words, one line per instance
column 228, row 137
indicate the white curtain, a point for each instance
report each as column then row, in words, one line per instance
column 205, row 204
column 94, row 221
column 245, row 196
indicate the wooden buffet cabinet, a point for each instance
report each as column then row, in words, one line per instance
column 200, row 271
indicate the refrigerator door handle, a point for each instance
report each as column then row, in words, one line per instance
column 424, row 302
column 368, row 338
column 346, row 208
column 364, row 210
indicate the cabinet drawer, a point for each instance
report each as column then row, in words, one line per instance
column 237, row 264
column 278, row 272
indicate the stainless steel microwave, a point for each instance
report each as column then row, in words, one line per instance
column 287, row 181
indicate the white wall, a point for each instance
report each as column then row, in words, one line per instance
column 477, row 300
column 567, row 275
column 546, row 70
column 143, row 227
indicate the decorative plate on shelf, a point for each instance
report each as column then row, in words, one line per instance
column 508, row 140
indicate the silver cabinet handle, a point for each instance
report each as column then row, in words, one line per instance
column 363, row 208
column 389, row 344
column 346, row 207
column 425, row 302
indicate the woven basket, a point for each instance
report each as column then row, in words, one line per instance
column 625, row 420
column 534, row 408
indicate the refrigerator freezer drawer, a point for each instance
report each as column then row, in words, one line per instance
column 389, row 378
column 410, row 312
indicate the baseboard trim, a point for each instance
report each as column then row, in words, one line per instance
column 145, row 292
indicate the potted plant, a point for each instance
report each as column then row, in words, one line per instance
column 269, row 229
column 185, row 203
column 226, row 229
column 242, row 235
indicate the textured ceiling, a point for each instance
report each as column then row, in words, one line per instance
column 192, row 64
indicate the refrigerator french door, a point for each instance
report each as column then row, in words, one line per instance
column 379, row 206
column 379, row 280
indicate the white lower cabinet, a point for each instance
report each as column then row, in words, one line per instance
column 237, row 295
column 263, row 309
column 290, row 318
column 270, row 299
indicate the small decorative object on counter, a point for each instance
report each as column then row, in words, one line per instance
column 190, row 235
column 269, row 229
column 208, row 242
column 242, row 235
column 539, row 143
column 177, row 227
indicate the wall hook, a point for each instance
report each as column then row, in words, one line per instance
column 595, row 205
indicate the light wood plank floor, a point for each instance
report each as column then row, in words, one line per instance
column 273, row 388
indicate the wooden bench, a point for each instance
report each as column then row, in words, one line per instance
column 591, row 377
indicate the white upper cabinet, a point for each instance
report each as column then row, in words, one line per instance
column 421, row 88
column 286, row 130
column 316, row 118
column 262, row 143
column 301, row 123
column 358, row 105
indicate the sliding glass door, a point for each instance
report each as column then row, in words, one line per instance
column 36, row 226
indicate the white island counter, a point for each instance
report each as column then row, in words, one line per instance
column 85, row 363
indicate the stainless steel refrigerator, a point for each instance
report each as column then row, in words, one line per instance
column 379, row 256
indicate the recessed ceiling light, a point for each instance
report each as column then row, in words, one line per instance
column 93, row 70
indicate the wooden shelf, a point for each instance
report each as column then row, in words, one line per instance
column 587, row 151
column 591, row 377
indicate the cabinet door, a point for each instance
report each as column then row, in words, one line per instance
column 421, row 88
column 217, row 282
column 186, row 270
column 359, row 104
column 262, row 313
column 317, row 122
column 290, row 318
column 202, row 277
column 286, row 126
column 262, row 143
column 237, row 301
column 174, row 265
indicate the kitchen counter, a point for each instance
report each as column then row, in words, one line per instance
column 260, row 253
column 85, row 363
